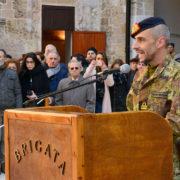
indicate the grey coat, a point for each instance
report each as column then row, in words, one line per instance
column 10, row 90
column 83, row 96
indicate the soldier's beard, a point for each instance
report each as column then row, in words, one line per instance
column 149, row 59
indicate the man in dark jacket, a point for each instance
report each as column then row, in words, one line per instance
column 10, row 95
column 54, row 69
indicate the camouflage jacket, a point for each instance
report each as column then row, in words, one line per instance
column 160, row 93
column 172, row 54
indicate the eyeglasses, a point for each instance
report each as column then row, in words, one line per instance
column 76, row 68
column 29, row 62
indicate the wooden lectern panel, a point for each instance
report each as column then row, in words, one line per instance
column 70, row 144
column 128, row 146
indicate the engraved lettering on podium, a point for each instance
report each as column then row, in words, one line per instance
column 56, row 154
column 18, row 156
column 62, row 166
column 48, row 151
column 37, row 145
column 30, row 146
column 24, row 148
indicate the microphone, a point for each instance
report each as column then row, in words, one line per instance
column 125, row 68
column 108, row 71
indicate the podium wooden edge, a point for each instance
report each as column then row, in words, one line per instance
column 7, row 153
column 66, row 108
column 124, row 113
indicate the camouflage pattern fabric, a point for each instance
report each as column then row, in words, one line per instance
column 172, row 54
column 160, row 93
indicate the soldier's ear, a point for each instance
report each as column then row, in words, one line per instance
column 161, row 42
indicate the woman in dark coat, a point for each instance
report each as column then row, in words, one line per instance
column 119, row 91
column 33, row 78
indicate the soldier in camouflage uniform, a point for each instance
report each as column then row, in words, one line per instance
column 157, row 86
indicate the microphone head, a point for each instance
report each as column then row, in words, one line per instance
column 125, row 68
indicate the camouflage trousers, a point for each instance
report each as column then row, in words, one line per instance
column 1, row 139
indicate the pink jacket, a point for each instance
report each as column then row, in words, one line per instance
column 106, row 104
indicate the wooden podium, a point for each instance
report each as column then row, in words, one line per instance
column 68, row 143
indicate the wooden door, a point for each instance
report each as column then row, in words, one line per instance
column 56, row 20
column 82, row 40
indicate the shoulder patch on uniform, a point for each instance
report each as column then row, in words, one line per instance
column 143, row 105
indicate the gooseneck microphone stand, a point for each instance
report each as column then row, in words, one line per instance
column 34, row 102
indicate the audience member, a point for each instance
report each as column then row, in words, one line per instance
column 13, row 64
column 83, row 96
column 8, row 57
column 141, row 65
column 103, row 102
column 90, row 55
column 116, row 63
column 49, row 47
column 81, row 58
column 40, row 56
column 10, row 96
column 33, row 78
column 171, row 50
column 54, row 69
column 120, row 89
column 133, row 65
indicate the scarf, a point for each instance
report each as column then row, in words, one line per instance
column 52, row 71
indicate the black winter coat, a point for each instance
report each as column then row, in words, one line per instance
column 119, row 91
column 10, row 90
column 35, row 80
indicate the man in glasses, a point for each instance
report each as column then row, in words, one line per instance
column 10, row 97
column 83, row 96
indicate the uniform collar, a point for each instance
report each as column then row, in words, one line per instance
column 158, row 71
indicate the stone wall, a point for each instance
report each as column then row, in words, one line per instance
column 20, row 22
column 104, row 15
column 140, row 9
column 20, row 26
